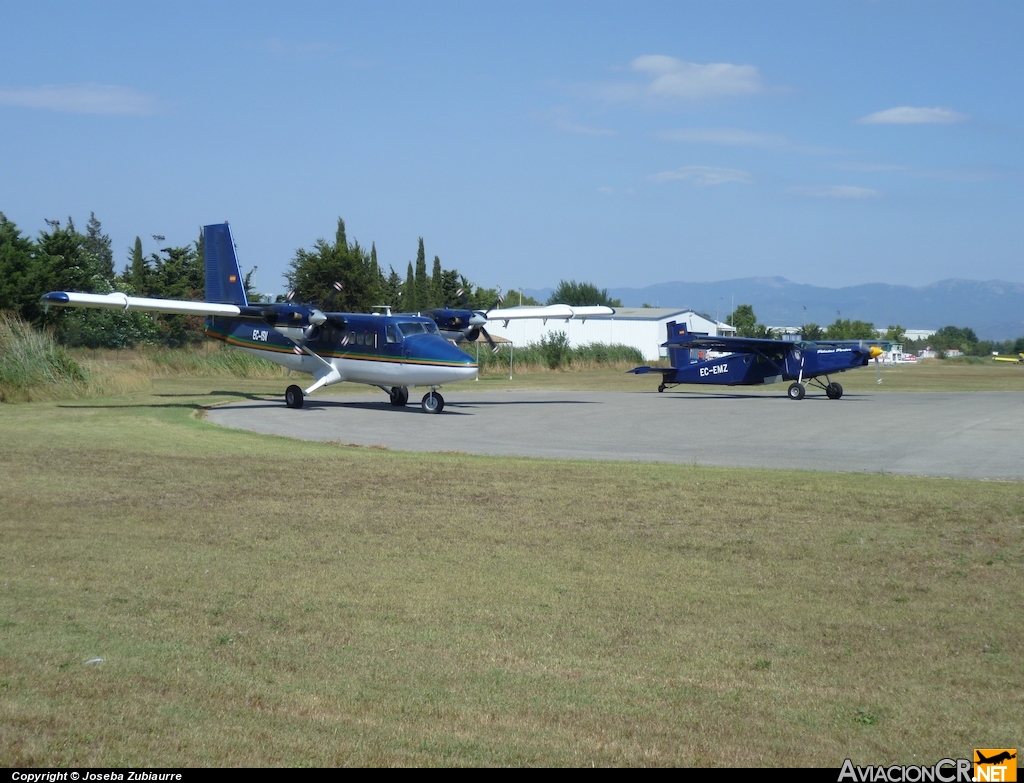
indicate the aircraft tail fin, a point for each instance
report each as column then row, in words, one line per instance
column 678, row 356
column 223, row 280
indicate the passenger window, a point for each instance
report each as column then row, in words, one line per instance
column 392, row 333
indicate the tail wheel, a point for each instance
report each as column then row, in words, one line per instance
column 432, row 402
column 293, row 397
column 796, row 391
column 399, row 396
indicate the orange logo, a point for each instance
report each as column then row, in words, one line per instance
column 998, row 765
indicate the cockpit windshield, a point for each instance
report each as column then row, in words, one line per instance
column 804, row 345
column 418, row 327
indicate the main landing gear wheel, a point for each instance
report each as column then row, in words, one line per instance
column 796, row 391
column 293, row 397
column 661, row 388
column 432, row 402
column 399, row 396
column 833, row 391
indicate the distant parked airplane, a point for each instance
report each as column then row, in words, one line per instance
column 751, row 361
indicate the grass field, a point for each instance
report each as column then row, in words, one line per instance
column 263, row 601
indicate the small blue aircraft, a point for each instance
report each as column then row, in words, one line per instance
column 394, row 353
column 749, row 361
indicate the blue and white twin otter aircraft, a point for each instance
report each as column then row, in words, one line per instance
column 392, row 352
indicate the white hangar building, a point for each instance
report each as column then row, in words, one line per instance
column 644, row 328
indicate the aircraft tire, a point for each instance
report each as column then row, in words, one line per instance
column 833, row 391
column 293, row 397
column 432, row 402
column 399, row 396
column 661, row 388
column 796, row 391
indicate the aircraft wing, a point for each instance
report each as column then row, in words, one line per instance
column 728, row 344
column 557, row 311
column 119, row 301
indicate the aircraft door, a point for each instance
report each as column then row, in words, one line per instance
column 389, row 342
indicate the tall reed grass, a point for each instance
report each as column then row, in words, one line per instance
column 33, row 365
column 541, row 358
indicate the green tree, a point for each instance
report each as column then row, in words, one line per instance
column 137, row 272
column 179, row 276
column 98, row 245
column 580, row 294
column 851, row 330
column 895, row 334
column 410, row 304
column 960, row 338
column 812, row 332
column 437, row 297
column 744, row 320
column 313, row 273
column 391, row 293
column 423, row 296
column 20, row 287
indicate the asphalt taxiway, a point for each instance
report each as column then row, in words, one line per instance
column 977, row 435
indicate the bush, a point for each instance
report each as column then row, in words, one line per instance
column 555, row 350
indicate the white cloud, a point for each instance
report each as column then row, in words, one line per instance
column 730, row 137
column 703, row 175
column 82, row 99
column 834, row 191
column 913, row 115
column 605, row 190
column 673, row 78
column 586, row 130
column 668, row 78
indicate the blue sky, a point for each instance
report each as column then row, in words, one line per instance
column 624, row 144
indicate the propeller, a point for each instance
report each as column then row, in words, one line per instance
column 477, row 319
column 314, row 316
column 874, row 352
column 338, row 288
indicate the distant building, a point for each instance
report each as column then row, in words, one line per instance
column 915, row 334
column 643, row 328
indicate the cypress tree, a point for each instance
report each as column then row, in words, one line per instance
column 409, row 303
column 437, row 285
column 340, row 240
column 138, row 271
column 423, row 296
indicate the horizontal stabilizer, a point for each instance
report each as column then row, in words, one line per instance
column 644, row 370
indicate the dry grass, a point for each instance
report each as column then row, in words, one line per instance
column 261, row 601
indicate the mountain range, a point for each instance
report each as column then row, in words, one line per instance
column 994, row 309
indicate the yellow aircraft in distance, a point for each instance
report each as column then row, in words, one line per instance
column 1018, row 359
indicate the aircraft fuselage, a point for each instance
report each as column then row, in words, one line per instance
column 748, row 369
column 374, row 349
